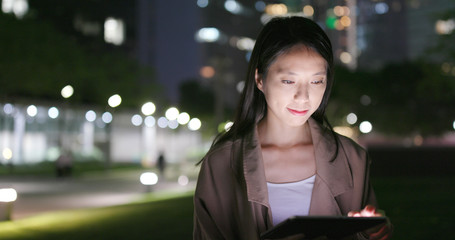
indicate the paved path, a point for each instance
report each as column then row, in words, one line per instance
column 40, row 195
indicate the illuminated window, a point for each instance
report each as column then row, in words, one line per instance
column 114, row 31
column 18, row 7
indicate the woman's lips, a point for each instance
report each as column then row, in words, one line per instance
column 297, row 113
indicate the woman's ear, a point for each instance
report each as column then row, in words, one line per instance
column 258, row 79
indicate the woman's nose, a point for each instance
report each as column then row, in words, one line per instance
column 301, row 93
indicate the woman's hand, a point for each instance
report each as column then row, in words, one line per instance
column 380, row 232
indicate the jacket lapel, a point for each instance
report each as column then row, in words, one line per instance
column 333, row 176
column 253, row 168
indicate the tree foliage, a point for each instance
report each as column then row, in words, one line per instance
column 37, row 61
column 405, row 98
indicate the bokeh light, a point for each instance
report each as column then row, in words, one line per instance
column 114, row 101
column 53, row 112
column 114, row 31
column 233, row 6
column 208, row 35
column 173, row 124
column 172, row 113
column 202, row 3
column 148, row 108
column 365, row 127
column 345, row 21
column 67, row 91
column 149, row 178
column 276, row 9
column 365, row 100
column 7, row 153
column 106, row 117
column 8, row 195
column 351, row 118
column 90, row 116
column 136, row 120
column 228, row 126
column 308, row 10
column 183, row 180
column 8, row 108
column 260, row 6
column 345, row 57
column 183, row 118
column 381, row 8
column 32, row 110
column 240, row 85
column 207, row 72
column 162, row 122
column 194, row 124
column 149, row 121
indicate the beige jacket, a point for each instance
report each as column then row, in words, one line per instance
column 231, row 199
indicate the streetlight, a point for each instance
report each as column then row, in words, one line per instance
column 67, row 91
column 148, row 108
column 194, row 124
column 172, row 113
column 149, row 179
column 114, row 100
column 8, row 196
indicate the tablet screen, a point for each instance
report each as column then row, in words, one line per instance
column 315, row 226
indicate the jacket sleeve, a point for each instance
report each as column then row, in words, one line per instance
column 205, row 226
column 220, row 208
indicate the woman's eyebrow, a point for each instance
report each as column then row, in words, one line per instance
column 320, row 73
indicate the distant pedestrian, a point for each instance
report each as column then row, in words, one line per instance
column 64, row 164
column 161, row 164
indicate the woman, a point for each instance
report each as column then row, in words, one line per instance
column 281, row 157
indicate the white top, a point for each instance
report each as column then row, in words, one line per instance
column 290, row 199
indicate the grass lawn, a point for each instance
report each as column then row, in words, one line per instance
column 157, row 217
column 419, row 207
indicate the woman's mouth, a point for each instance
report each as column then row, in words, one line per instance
column 297, row 112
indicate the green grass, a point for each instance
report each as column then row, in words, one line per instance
column 47, row 168
column 420, row 208
column 158, row 217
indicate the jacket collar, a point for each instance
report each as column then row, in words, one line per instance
column 333, row 176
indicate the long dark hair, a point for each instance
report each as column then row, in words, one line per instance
column 277, row 37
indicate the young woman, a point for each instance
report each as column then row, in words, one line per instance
column 281, row 158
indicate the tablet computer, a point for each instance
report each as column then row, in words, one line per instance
column 315, row 226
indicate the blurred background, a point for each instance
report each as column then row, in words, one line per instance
column 93, row 93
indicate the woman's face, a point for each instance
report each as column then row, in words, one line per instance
column 294, row 86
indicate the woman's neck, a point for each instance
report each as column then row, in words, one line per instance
column 283, row 136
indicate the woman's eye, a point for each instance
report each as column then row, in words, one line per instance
column 318, row 81
column 287, row 81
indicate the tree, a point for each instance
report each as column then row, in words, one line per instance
column 36, row 61
column 405, row 98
